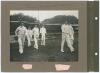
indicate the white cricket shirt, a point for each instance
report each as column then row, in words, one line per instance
column 43, row 30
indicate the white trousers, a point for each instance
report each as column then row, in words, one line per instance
column 21, row 40
column 29, row 38
column 43, row 39
column 36, row 41
column 66, row 37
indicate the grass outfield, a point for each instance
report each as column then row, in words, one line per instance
column 50, row 52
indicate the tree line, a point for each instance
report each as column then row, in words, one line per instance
column 31, row 21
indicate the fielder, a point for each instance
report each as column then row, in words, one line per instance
column 21, row 33
column 43, row 35
column 29, row 36
column 67, row 35
column 35, row 31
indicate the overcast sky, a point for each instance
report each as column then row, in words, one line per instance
column 45, row 14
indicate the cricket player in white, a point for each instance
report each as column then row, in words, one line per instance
column 35, row 31
column 29, row 36
column 21, row 33
column 43, row 35
column 67, row 35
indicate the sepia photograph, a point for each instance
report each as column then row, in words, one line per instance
column 49, row 36
column 44, row 35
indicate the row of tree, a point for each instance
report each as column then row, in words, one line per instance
column 60, row 19
column 30, row 21
column 21, row 17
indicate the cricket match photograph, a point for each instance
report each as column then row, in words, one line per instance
column 44, row 35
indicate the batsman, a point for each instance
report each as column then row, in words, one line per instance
column 29, row 36
column 43, row 34
column 20, row 32
column 67, row 35
column 35, row 31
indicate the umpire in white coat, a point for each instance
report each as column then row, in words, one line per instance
column 67, row 35
column 21, row 33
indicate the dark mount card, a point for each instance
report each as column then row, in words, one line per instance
column 50, row 36
column 93, row 36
